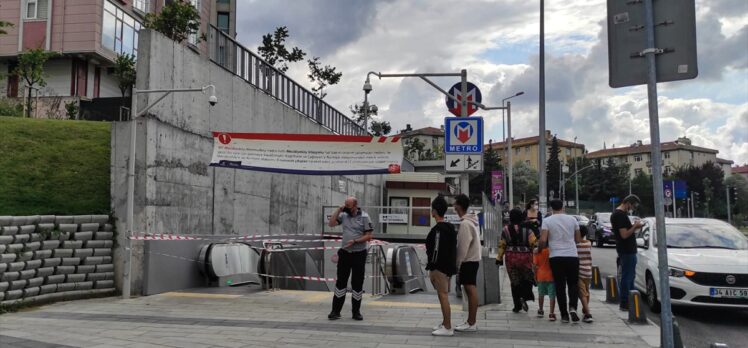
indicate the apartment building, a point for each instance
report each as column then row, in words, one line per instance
column 675, row 154
column 526, row 150
column 432, row 138
column 88, row 35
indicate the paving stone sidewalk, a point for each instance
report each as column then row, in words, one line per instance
column 250, row 317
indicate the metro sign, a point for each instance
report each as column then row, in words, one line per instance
column 473, row 95
column 465, row 135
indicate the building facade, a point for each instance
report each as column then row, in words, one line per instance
column 432, row 140
column 675, row 154
column 526, row 150
column 742, row 170
column 88, row 35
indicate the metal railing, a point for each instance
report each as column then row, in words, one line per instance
column 232, row 56
column 379, row 284
column 492, row 219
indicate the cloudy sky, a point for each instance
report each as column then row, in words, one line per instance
column 497, row 42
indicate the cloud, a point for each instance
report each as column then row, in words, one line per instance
column 497, row 41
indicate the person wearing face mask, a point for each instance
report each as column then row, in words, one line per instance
column 533, row 217
column 357, row 232
column 624, row 231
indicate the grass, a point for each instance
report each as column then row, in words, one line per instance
column 54, row 167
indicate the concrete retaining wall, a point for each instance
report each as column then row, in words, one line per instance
column 177, row 192
column 46, row 258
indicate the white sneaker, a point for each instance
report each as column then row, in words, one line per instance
column 437, row 327
column 465, row 327
column 443, row 331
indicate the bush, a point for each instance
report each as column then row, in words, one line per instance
column 10, row 108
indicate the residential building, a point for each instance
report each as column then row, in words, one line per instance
column 432, row 140
column 742, row 170
column 675, row 154
column 726, row 166
column 88, row 35
column 526, row 150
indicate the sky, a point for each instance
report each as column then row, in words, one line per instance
column 498, row 43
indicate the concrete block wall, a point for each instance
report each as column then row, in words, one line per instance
column 45, row 258
column 175, row 189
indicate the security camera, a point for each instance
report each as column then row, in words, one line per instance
column 213, row 100
column 367, row 86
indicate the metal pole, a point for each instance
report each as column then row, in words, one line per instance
column 675, row 199
column 666, row 315
column 465, row 186
column 510, row 164
column 130, row 195
column 504, row 158
column 576, row 178
column 366, row 129
column 541, row 114
column 729, row 216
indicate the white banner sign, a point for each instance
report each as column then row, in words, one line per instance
column 310, row 154
column 393, row 218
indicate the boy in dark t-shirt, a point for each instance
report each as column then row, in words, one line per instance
column 441, row 250
column 626, row 245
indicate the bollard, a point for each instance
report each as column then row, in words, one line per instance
column 677, row 341
column 611, row 291
column 597, row 282
column 718, row 345
column 636, row 313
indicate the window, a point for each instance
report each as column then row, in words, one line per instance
column 421, row 215
column 516, row 151
column 141, row 5
column 36, row 9
column 119, row 31
column 666, row 154
column 527, row 149
column 637, row 171
column 667, row 170
column 568, row 151
column 193, row 38
column 223, row 24
column 637, row 158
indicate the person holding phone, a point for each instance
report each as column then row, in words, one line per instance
column 357, row 232
column 624, row 231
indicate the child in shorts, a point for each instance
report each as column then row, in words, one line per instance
column 544, row 278
column 584, row 250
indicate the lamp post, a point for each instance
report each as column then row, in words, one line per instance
column 508, row 146
column 541, row 114
column 373, row 108
column 134, row 115
column 576, row 178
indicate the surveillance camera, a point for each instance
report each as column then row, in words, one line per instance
column 367, row 87
column 213, row 100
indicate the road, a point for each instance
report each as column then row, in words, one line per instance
column 699, row 326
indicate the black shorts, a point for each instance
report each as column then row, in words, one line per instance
column 469, row 273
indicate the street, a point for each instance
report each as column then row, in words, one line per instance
column 699, row 326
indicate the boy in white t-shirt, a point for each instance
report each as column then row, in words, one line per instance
column 560, row 232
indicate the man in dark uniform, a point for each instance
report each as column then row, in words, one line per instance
column 357, row 232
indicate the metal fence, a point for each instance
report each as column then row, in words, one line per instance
column 232, row 56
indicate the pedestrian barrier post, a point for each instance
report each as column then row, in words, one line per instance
column 677, row 341
column 611, row 291
column 636, row 312
column 597, row 282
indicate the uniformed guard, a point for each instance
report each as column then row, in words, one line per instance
column 357, row 232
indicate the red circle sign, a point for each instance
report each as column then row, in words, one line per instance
column 224, row 138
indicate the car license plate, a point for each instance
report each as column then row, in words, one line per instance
column 731, row 293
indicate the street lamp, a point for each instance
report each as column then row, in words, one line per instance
column 134, row 115
column 576, row 179
column 508, row 147
column 373, row 108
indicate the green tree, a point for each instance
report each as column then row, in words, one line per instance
column 322, row 77
column 31, row 68
column 177, row 20
column 739, row 206
column 377, row 128
column 274, row 51
column 641, row 186
column 553, row 169
column 124, row 72
column 380, row 128
column 708, row 196
column 524, row 181
column 715, row 192
column 413, row 149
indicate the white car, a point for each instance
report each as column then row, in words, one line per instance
column 708, row 261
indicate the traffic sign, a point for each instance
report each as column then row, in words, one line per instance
column 463, row 163
column 675, row 37
column 473, row 94
column 464, row 135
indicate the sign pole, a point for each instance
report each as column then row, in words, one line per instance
column 509, row 163
column 666, row 315
column 465, row 177
column 541, row 116
column 729, row 215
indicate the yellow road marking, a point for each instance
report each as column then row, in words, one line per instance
column 200, row 295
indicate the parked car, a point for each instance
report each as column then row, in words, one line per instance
column 708, row 261
column 600, row 230
column 583, row 221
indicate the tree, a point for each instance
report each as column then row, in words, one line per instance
column 377, row 128
column 413, row 149
column 124, row 72
column 322, row 76
column 711, row 197
column 739, row 202
column 524, row 182
column 274, row 51
column 641, row 186
column 177, row 20
column 553, row 169
column 31, row 68
column 491, row 162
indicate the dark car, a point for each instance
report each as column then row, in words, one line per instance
column 582, row 220
column 601, row 231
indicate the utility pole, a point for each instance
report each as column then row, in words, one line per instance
column 510, row 165
column 729, row 214
column 541, row 116
column 576, row 178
